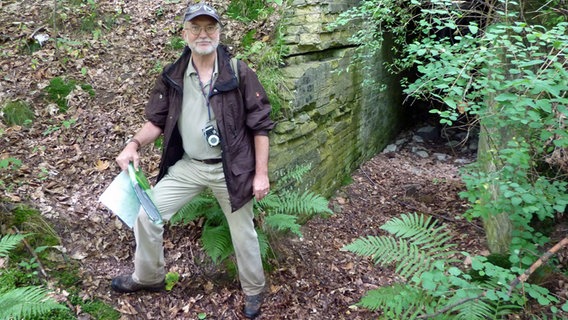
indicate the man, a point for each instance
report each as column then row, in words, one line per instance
column 215, row 126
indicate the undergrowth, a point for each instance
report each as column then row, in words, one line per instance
column 35, row 270
column 436, row 286
column 18, row 113
column 280, row 213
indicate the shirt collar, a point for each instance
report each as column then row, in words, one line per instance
column 191, row 69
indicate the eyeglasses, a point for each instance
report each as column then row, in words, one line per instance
column 196, row 30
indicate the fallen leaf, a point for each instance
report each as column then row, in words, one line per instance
column 102, row 165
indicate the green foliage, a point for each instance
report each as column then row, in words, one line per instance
column 371, row 21
column 9, row 242
column 171, row 279
column 59, row 88
column 502, row 72
column 177, row 43
column 417, row 241
column 250, row 10
column 512, row 76
column 281, row 211
column 248, row 39
column 26, row 302
column 30, row 221
column 421, row 252
column 266, row 58
column 91, row 18
column 21, row 285
column 23, row 301
column 99, row 310
column 10, row 163
column 18, row 113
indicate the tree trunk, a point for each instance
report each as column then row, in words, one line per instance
column 497, row 225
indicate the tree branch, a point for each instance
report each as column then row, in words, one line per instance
column 520, row 279
column 523, row 277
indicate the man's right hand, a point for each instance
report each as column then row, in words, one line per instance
column 129, row 154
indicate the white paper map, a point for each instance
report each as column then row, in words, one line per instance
column 121, row 199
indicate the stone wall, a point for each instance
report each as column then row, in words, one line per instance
column 332, row 121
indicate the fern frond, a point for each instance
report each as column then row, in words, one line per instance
column 294, row 175
column 410, row 258
column 215, row 215
column 474, row 310
column 26, row 302
column 417, row 229
column 263, row 243
column 9, row 242
column 194, row 209
column 271, row 200
column 383, row 250
column 216, row 242
column 282, row 222
column 307, row 203
column 394, row 300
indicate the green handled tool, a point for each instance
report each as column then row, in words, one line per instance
column 143, row 192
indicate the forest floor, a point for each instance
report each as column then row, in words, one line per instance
column 68, row 161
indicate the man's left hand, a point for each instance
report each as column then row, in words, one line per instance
column 260, row 186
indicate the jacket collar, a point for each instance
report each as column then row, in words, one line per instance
column 226, row 81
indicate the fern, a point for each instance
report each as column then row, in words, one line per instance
column 264, row 243
column 295, row 175
column 9, row 242
column 282, row 210
column 418, row 230
column 419, row 249
column 26, row 302
column 283, row 222
column 416, row 244
column 216, row 242
column 307, row 203
column 194, row 209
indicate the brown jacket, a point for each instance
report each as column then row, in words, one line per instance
column 242, row 111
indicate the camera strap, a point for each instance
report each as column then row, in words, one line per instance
column 205, row 94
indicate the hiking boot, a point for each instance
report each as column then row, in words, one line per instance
column 125, row 284
column 252, row 305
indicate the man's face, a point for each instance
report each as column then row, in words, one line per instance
column 202, row 35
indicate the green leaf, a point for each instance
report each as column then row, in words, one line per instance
column 473, row 28
column 516, row 201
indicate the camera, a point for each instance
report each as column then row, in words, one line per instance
column 211, row 136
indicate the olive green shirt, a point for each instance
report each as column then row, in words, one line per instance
column 196, row 115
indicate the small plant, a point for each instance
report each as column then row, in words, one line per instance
column 18, row 113
column 22, row 302
column 421, row 252
column 177, row 43
column 10, row 163
column 249, row 10
column 171, row 279
column 7, row 167
column 157, row 68
column 64, row 124
column 267, row 59
column 59, row 88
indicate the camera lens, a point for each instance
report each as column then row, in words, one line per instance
column 213, row 140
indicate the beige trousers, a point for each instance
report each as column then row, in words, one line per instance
column 184, row 180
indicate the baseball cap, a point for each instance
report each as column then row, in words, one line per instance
column 200, row 9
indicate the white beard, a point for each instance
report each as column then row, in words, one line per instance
column 204, row 51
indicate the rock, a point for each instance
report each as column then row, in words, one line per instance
column 428, row 133
column 390, row 148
